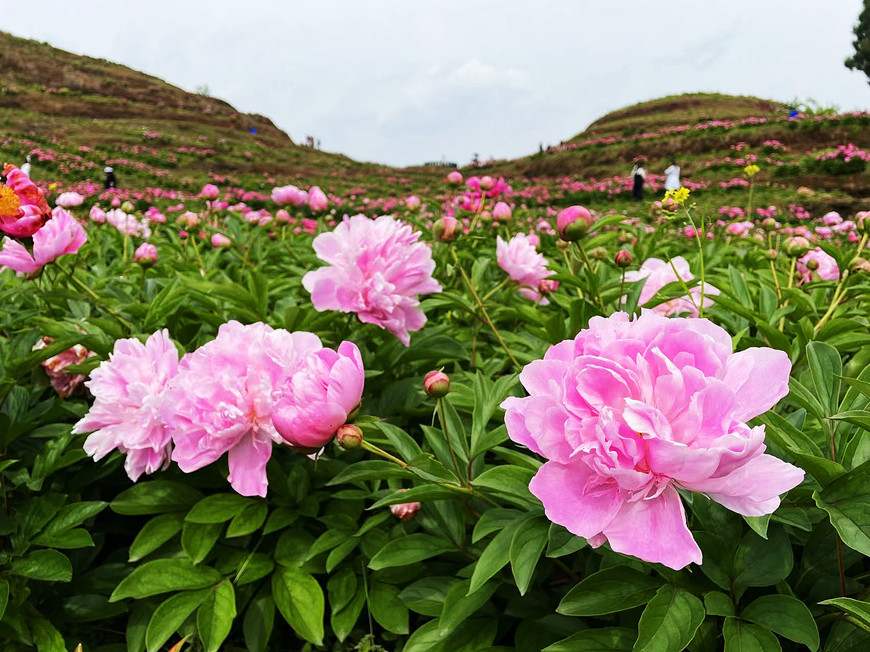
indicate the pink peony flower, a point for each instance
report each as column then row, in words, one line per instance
column 61, row 235
column 521, row 261
column 827, row 269
column 146, row 253
column 501, row 211
column 129, row 389
column 659, row 273
column 289, row 196
column 127, row 224
column 412, row 202
column 69, row 200
column 454, row 177
column 23, row 208
column 220, row 240
column 376, row 269
column 629, row 411
column 319, row 396
column 221, row 400
column 97, row 214
column 317, row 200
column 210, row 191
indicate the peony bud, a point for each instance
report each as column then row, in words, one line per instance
column 573, row 223
column 349, row 436
column 860, row 265
column 444, row 229
column 771, row 254
column 863, row 220
column 547, row 286
column 146, row 254
column 501, row 211
column 436, row 384
column 599, row 253
column 486, row 183
column 454, row 177
column 210, row 191
column 812, row 264
column 220, row 240
column 404, row 511
column 128, row 207
column 797, row 246
column 622, row 259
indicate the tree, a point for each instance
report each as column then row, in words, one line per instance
column 861, row 59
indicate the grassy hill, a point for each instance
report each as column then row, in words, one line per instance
column 78, row 113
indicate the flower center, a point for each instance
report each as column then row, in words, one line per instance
column 9, row 202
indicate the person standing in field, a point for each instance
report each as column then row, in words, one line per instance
column 110, row 181
column 26, row 167
column 638, row 176
column 672, row 172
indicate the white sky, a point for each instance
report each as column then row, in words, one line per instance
column 407, row 81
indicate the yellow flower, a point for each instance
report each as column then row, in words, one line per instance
column 751, row 170
column 677, row 196
column 52, row 186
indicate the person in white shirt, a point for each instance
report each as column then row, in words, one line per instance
column 672, row 182
column 26, row 167
column 638, row 176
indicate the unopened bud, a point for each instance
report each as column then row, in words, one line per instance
column 599, row 253
column 547, row 286
column 127, row 207
column 349, row 436
column 797, row 246
column 404, row 511
column 444, row 229
column 622, row 258
column 573, row 223
column 771, row 254
column 863, row 220
column 436, row 384
column 860, row 265
column 812, row 264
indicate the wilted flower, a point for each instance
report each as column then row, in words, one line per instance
column 630, row 410
column 63, row 383
column 376, row 269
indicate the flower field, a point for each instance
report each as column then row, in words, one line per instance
column 476, row 415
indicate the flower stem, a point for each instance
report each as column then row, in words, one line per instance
column 485, row 313
column 496, row 289
column 698, row 234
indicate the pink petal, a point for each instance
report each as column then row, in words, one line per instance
column 247, row 461
column 759, row 378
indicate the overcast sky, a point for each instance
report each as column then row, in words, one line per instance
column 407, row 81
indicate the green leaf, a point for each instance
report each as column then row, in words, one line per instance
column 561, row 542
column 747, row 637
column 527, row 544
column 858, row 609
column 46, row 565
column 368, row 470
column 786, row 436
column 426, row 596
column 460, row 604
column 825, row 370
column 718, row 604
column 217, row 508
column 847, row 502
column 860, row 418
column 409, row 549
column 163, row 575
column 786, row 616
column 608, row 591
column 387, row 608
column 495, row 520
column 258, row 622
column 170, row 615
column 300, row 600
column 341, row 587
column 248, row 520
column 510, row 481
column 215, row 616
column 73, row 515
column 342, row 621
column 155, row 497
column 496, row 554
column 155, row 533
column 606, row 639
column 669, row 621
column 4, row 596
column 45, row 636
column 197, row 539
column 805, row 397
column 420, row 493
column 68, row 539
column 763, row 562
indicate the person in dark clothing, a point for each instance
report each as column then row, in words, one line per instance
column 110, row 181
column 638, row 177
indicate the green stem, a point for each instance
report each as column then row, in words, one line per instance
column 788, row 287
column 683, row 283
column 485, row 313
column 698, row 234
column 496, row 289
column 591, row 269
column 196, row 253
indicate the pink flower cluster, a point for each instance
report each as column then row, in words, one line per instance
column 377, row 269
column 629, row 411
column 249, row 388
